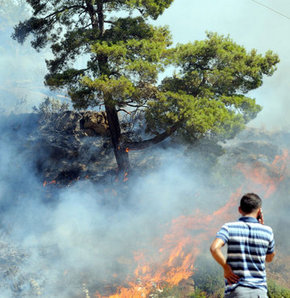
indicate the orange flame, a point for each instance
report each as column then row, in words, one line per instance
column 125, row 177
column 266, row 180
column 48, row 182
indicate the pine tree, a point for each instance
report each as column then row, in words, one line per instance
column 103, row 59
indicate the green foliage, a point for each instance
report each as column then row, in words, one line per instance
column 208, row 276
column 276, row 291
column 151, row 8
column 208, row 91
column 178, row 292
column 168, row 292
column 132, row 67
column 198, row 294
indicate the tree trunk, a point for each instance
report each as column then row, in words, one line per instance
column 120, row 151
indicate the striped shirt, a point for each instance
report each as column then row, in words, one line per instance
column 248, row 243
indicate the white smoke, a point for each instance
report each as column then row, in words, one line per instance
column 79, row 234
column 64, row 240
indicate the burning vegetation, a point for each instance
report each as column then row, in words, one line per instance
column 174, row 258
column 158, row 247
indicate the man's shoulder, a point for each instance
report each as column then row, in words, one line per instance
column 267, row 228
column 234, row 223
column 241, row 224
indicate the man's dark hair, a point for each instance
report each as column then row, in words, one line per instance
column 250, row 202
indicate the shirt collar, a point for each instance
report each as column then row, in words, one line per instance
column 248, row 219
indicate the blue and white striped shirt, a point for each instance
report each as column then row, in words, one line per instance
column 248, row 244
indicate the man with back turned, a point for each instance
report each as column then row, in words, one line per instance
column 250, row 244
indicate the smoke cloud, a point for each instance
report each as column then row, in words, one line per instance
column 76, row 237
column 80, row 234
column 64, row 241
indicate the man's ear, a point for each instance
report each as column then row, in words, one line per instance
column 240, row 210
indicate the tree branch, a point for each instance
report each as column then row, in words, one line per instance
column 155, row 140
column 110, row 22
column 65, row 8
column 123, row 110
column 136, row 106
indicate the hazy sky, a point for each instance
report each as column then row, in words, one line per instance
column 247, row 23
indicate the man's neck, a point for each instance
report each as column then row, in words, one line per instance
column 252, row 214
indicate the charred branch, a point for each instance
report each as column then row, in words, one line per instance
column 123, row 110
column 155, row 140
column 136, row 106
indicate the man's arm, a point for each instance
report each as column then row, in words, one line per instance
column 270, row 257
column 217, row 254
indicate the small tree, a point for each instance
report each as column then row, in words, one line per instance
column 115, row 61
